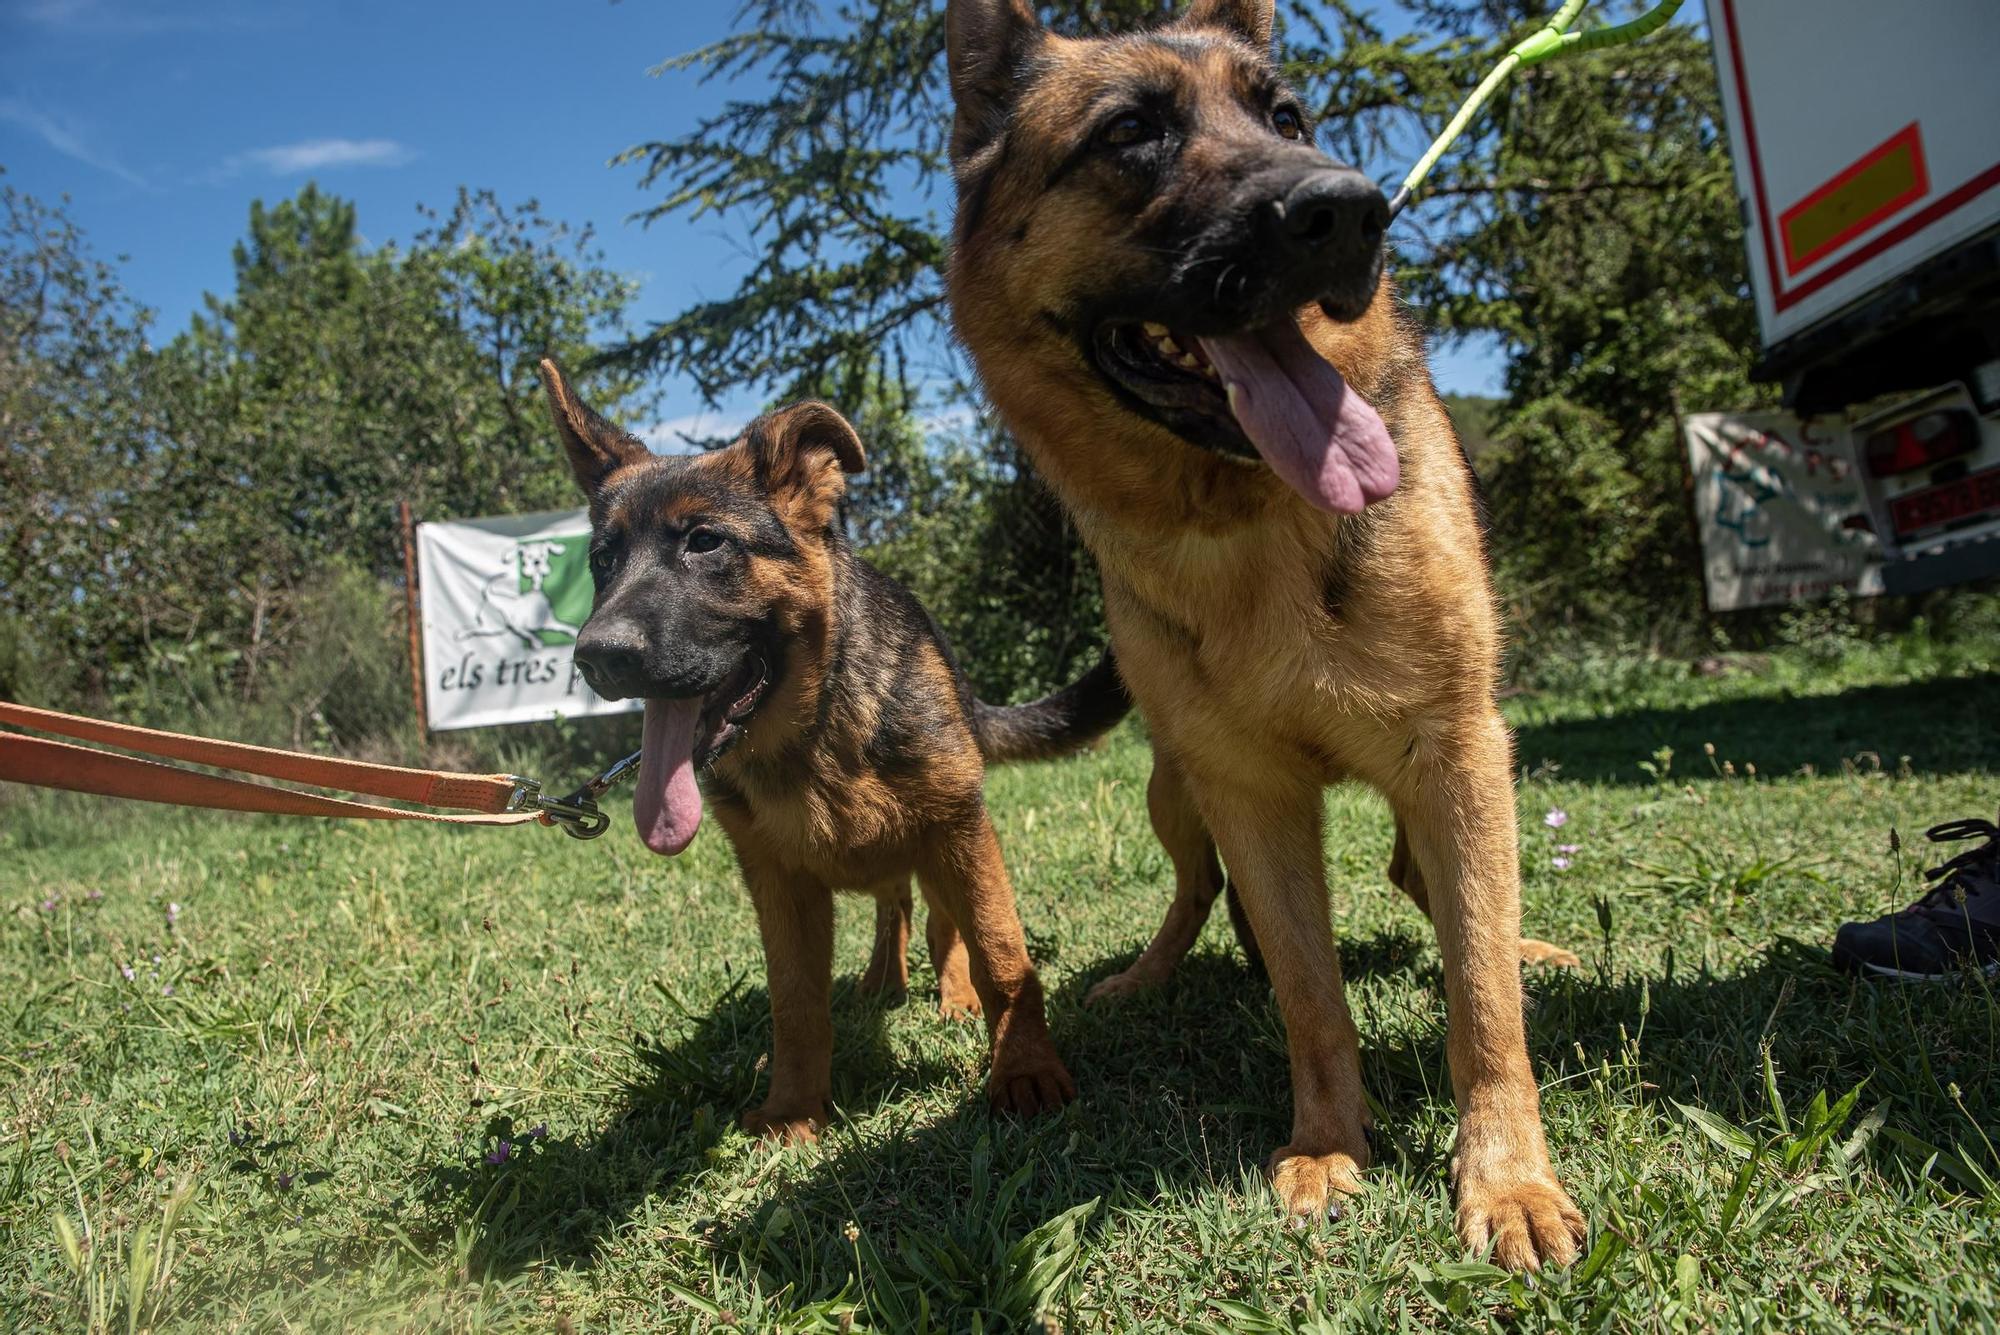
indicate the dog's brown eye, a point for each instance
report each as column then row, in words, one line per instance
column 703, row 540
column 1288, row 123
column 1126, row 130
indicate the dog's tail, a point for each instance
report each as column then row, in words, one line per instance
column 1057, row 724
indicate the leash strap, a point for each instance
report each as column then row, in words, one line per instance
column 1548, row 42
column 53, row 764
column 495, row 799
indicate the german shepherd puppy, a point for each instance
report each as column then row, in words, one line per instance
column 1178, row 305
column 817, row 706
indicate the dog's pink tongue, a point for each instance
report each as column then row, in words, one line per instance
column 668, row 804
column 1324, row 440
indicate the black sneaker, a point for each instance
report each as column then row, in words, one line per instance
column 1955, row 925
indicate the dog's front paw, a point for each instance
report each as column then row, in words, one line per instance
column 957, row 1001
column 1529, row 1223
column 1030, row 1086
column 1122, row 985
column 1545, row 953
column 784, row 1127
column 1311, row 1185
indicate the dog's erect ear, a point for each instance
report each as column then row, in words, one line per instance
column 803, row 451
column 596, row 448
column 984, row 42
column 1248, row 19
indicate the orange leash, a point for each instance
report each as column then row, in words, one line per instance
column 495, row 799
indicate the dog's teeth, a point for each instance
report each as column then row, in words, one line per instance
column 1168, row 348
column 1190, row 361
column 1154, row 330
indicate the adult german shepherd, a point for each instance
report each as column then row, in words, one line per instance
column 818, row 708
column 1178, row 304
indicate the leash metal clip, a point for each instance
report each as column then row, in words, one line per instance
column 578, row 813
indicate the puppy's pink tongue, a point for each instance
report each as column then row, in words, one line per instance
column 668, row 803
column 1321, row 438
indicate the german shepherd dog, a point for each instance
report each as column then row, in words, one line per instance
column 1178, row 305
column 817, row 706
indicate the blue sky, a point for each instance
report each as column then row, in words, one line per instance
column 163, row 119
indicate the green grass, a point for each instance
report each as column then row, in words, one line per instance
column 284, row 1117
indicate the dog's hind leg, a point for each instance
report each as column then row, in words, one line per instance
column 1409, row 878
column 1403, row 873
column 889, row 962
column 1246, row 937
column 957, row 999
column 960, row 869
column 1197, row 880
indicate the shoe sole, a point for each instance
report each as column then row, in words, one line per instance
column 1991, row 969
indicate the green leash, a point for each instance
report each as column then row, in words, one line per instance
column 1552, row 41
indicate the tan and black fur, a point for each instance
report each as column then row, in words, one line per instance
column 861, row 760
column 1274, row 648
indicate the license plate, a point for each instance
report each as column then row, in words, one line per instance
column 1942, row 505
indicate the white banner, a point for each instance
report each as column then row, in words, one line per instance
column 1781, row 509
column 502, row 601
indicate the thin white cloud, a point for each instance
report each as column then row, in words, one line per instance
column 65, row 139
column 131, row 18
column 672, row 435
column 310, row 155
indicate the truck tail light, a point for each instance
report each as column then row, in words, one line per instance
column 1921, row 442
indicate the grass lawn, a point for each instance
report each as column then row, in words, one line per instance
column 378, row 1078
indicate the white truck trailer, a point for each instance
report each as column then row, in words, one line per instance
column 1866, row 141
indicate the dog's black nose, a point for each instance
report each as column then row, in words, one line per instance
column 612, row 660
column 1337, row 214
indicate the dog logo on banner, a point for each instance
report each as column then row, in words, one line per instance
column 543, row 596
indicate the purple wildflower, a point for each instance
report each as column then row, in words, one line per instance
column 284, row 1182
column 539, row 1131
column 1561, row 864
column 1569, row 848
column 95, row 896
column 129, row 972
column 167, row 991
column 500, row 1153
column 49, row 904
column 173, row 913
column 1556, row 819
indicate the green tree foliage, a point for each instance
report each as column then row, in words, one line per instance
column 951, row 513
column 196, row 515
column 77, row 443
column 1588, row 221
column 1591, row 225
